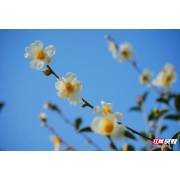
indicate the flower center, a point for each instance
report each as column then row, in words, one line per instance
column 168, row 78
column 144, row 79
column 107, row 111
column 40, row 55
column 125, row 53
column 112, row 47
column 108, row 126
column 57, row 141
column 69, row 89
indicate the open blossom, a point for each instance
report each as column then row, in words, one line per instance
column 165, row 77
column 145, row 77
column 107, row 109
column 57, row 142
column 40, row 57
column 68, row 88
column 42, row 117
column 125, row 53
column 107, row 126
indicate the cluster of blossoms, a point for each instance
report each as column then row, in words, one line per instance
column 125, row 53
column 68, row 87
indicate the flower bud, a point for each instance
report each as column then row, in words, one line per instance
column 152, row 136
column 47, row 105
column 46, row 72
column 106, row 36
column 67, row 148
column 164, row 148
column 139, row 99
column 42, row 117
column 125, row 147
column 83, row 105
column 155, row 110
column 111, row 146
column 133, row 63
column 88, row 142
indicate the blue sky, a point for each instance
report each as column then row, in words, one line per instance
column 85, row 53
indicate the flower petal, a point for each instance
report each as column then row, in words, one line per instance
column 52, row 138
column 39, row 45
column 75, row 98
column 96, row 125
column 56, row 146
column 118, row 132
column 71, row 77
column 119, row 116
column 62, row 95
column 50, row 50
column 47, row 60
column 107, row 105
column 36, row 64
column 60, row 84
column 98, row 110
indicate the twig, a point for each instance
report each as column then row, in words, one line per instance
column 112, row 143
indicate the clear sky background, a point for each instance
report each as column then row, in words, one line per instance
column 85, row 53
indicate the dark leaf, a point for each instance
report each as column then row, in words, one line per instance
column 77, row 123
column 171, row 96
column 86, row 129
column 162, row 100
column 138, row 108
column 151, row 116
column 175, row 137
column 145, row 95
column 177, row 102
column 1, row 105
column 130, row 148
column 172, row 116
column 163, row 128
column 162, row 112
column 54, row 107
column 157, row 149
column 129, row 135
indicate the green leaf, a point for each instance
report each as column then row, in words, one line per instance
column 138, row 108
column 151, row 116
column 129, row 135
column 157, row 149
column 163, row 128
column 172, row 116
column 77, row 123
column 86, row 129
column 171, row 96
column 145, row 95
column 175, row 137
column 162, row 112
column 177, row 102
column 1, row 105
column 54, row 107
column 144, row 139
column 130, row 148
column 162, row 100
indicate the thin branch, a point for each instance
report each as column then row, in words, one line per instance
column 112, row 143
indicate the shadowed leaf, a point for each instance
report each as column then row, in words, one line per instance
column 172, row 116
column 138, row 108
column 162, row 100
column 145, row 95
column 86, row 129
column 177, row 102
column 162, row 112
column 163, row 128
column 157, row 149
column 175, row 137
column 77, row 123
column 1, row 105
column 129, row 135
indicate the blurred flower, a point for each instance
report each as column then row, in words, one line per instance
column 57, row 142
column 107, row 109
column 145, row 77
column 43, row 124
column 165, row 77
column 42, row 117
column 47, row 105
column 126, row 52
column 106, row 36
column 68, row 88
column 164, row 148
column 107, row 126
column 125, row 147
column 40, row 57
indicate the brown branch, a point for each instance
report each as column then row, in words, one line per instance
column 112, row 143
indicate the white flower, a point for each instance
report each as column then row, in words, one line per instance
column 145, row 77
column 126, row 52
column 42, row 116
column 68, row 88
column 57, row 142
column 47, row 105
column 107, row 126
column 165, row 77
column 40, row 57
column 107, row 109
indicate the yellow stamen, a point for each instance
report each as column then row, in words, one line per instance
column 40, row 55
column 69, row 89
column 112, row 47
column 144, row 79
column 57, row 140
column 168, row 78
column 108, row 126
column 125, row 54
column 107, row 111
